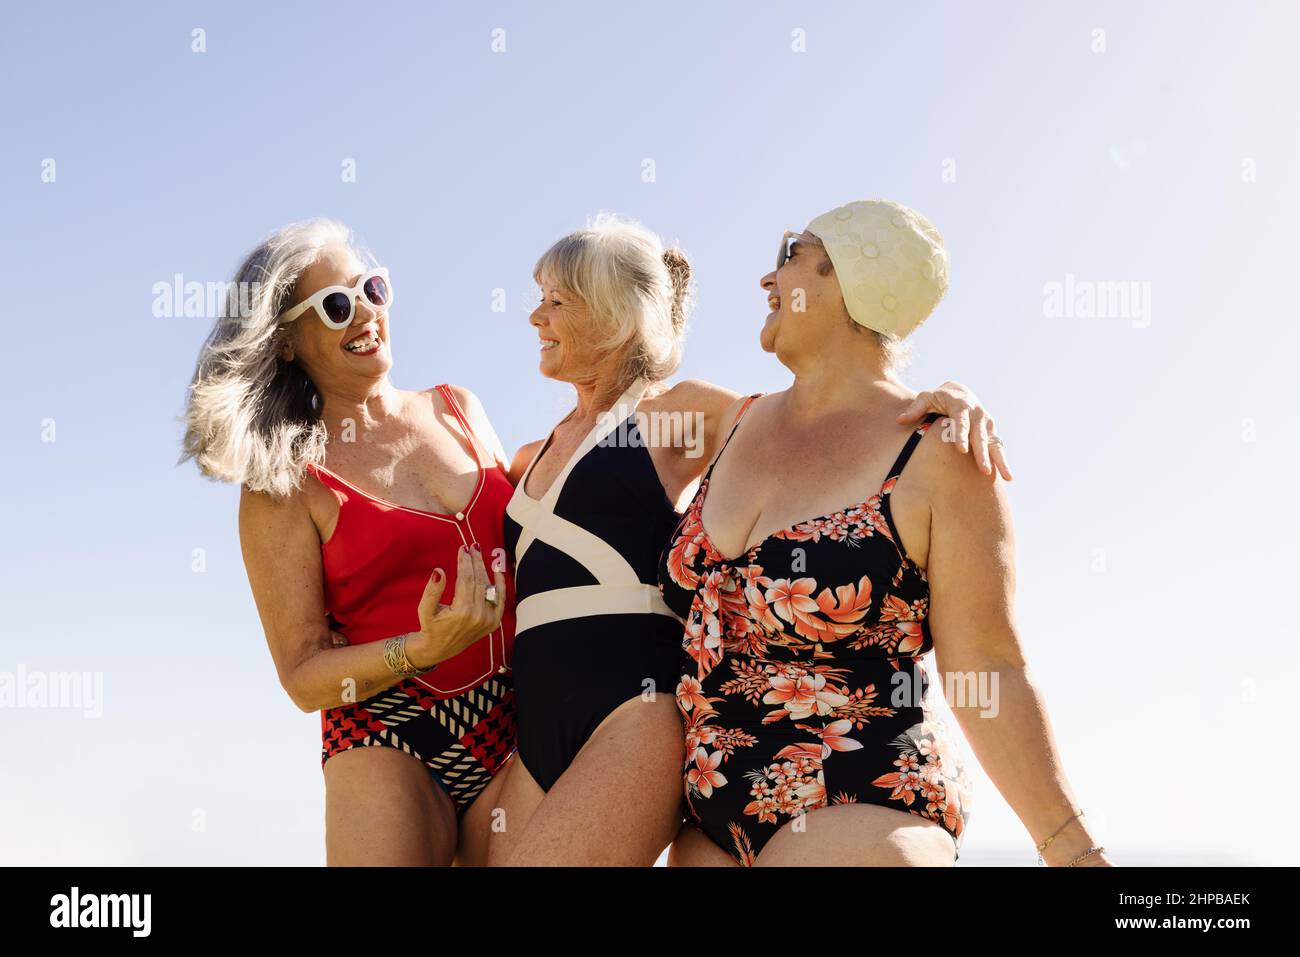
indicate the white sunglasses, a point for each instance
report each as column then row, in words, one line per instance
column 336, row 305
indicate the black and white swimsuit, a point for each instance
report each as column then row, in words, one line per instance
column 591, row 627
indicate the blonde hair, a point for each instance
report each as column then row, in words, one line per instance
column 638, row 293
column 250, row 417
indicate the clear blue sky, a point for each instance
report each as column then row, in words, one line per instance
column 1168, row 159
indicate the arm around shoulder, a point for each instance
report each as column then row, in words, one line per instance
column 713, row 406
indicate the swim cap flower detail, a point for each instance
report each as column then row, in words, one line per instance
column 890, row 261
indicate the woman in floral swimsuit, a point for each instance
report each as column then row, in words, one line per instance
column 804, row 687
column 810, row 727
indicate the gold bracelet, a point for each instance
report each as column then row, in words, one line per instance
column 1042, row 847
column 395, row 658
column 1091, row 850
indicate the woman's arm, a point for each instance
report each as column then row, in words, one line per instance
column 281, row 549
column 701, row 417
column 972, row 586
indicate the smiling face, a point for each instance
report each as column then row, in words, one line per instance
column 803, row 297
column 337, row 359
column 563, row 324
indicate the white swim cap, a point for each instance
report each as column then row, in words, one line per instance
column 890, row 261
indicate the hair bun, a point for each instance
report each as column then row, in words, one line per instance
column 674, row 258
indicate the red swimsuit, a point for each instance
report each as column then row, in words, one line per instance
column 459, row 718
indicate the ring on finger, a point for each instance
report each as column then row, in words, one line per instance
column 490, row 593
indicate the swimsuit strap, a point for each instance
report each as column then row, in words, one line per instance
column 913, row 441
column 734, row 425
column 450, row 398
column 323, row 475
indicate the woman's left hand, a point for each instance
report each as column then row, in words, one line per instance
column 975, row 431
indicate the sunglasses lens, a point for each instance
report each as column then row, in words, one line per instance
column 377, row 290
column 337, row 307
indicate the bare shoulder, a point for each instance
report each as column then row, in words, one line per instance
column 751, row 402
column 528, row 450
column 261, row 513
column 478, row 420
column 948, row 475
column 464, row 397
column 522, row 459
column 469, row 402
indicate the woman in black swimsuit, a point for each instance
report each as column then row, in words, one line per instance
column 598, row 653
column 805, row 688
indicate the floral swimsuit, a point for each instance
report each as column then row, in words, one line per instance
column 805, row 686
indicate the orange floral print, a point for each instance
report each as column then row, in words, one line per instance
column 790, row 702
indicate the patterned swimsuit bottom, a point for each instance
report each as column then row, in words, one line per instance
column 805, row 685
column 462, row 741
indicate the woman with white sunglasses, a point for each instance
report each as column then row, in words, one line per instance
column 372, row 512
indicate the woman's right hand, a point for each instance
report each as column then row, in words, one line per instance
column 447, row 630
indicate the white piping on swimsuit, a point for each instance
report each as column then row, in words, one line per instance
column 619, row 590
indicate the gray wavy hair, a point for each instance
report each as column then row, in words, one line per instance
column 251, row 417
column 638, row 292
